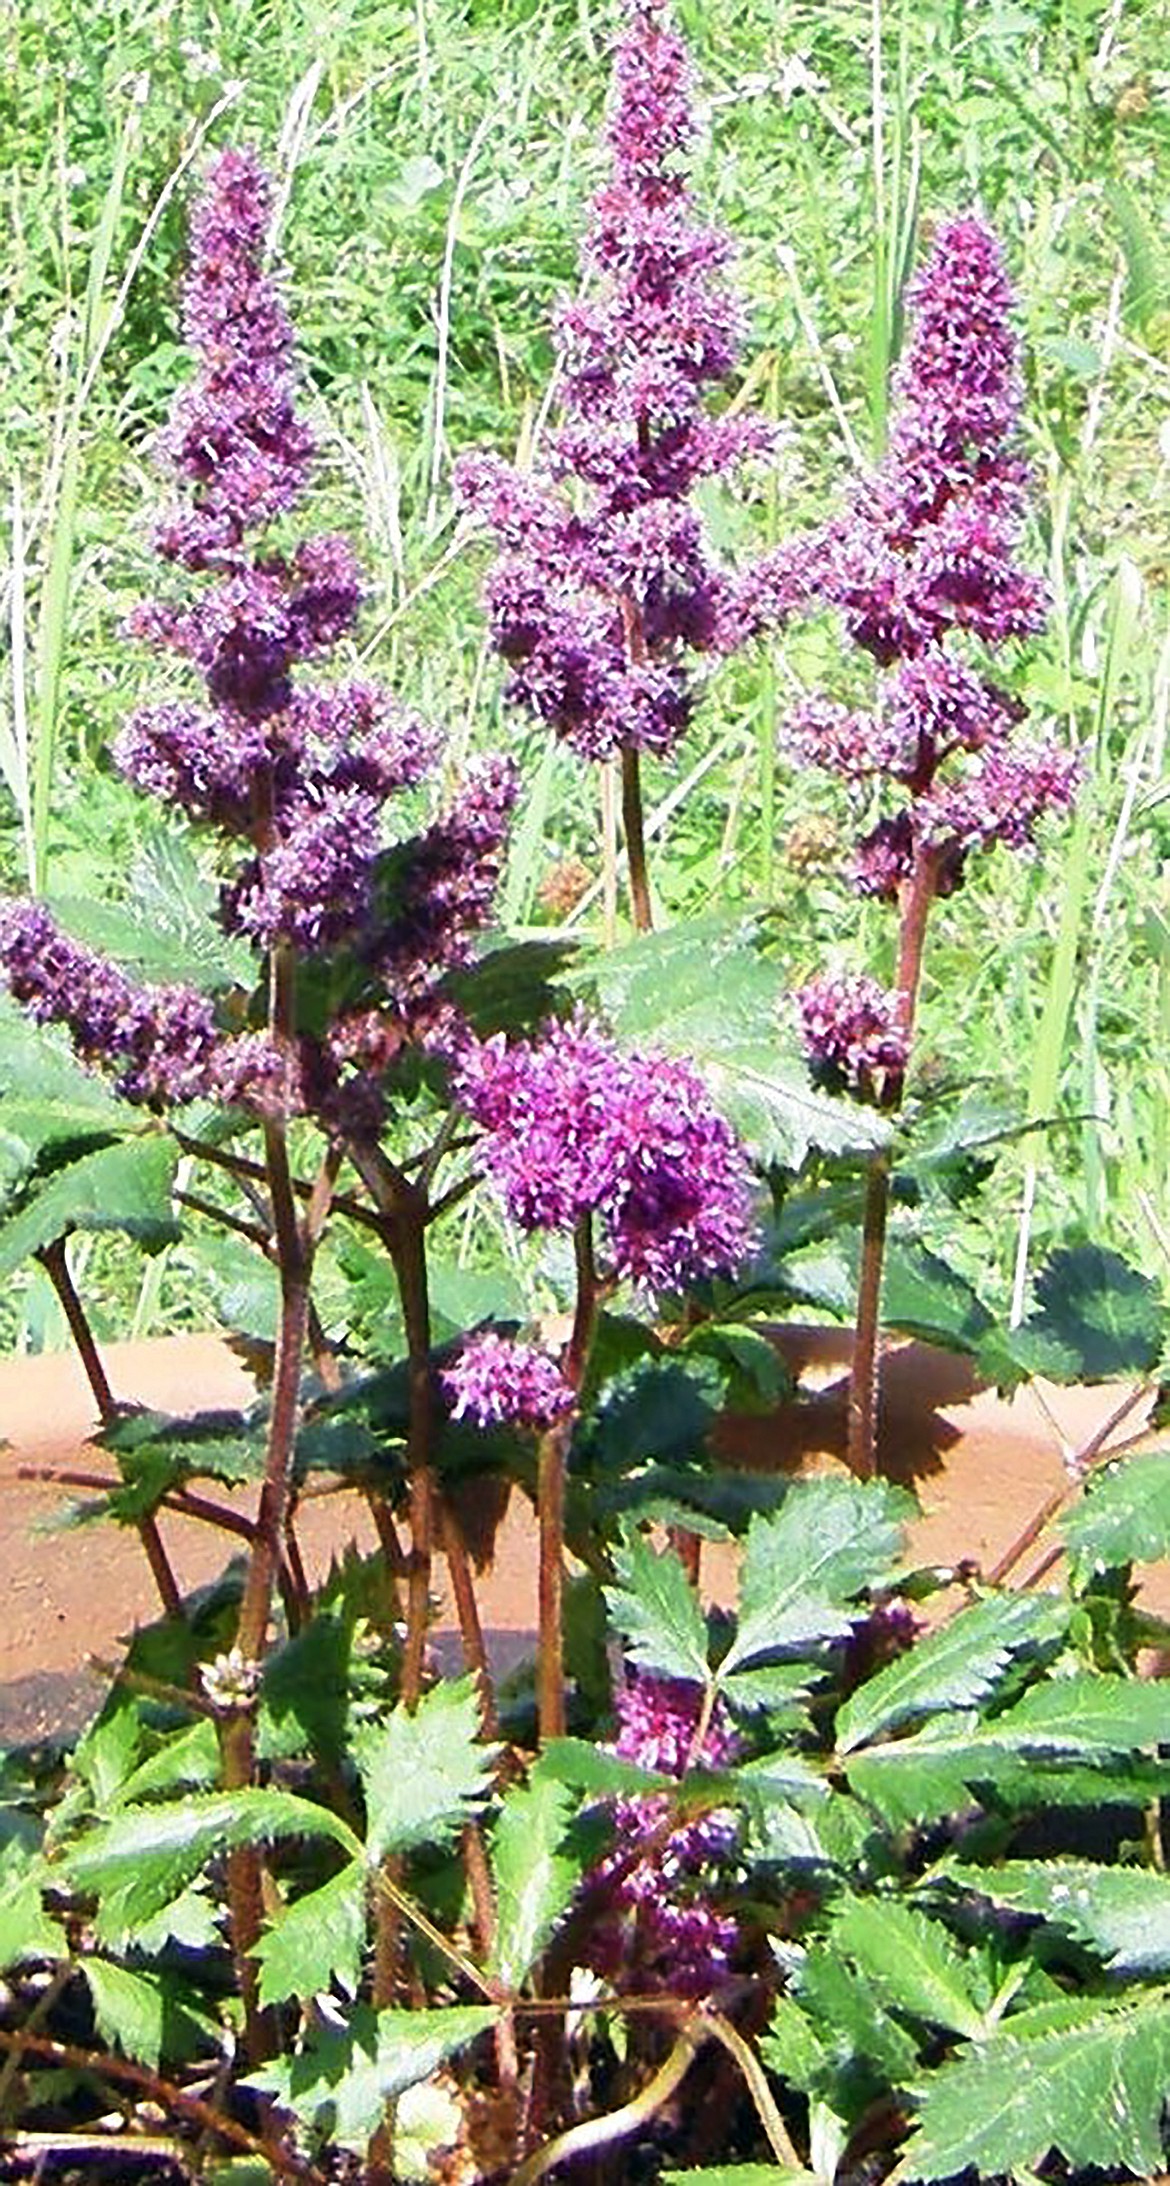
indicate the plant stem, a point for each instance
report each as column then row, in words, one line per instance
column 918, row 894
column 55, row 1261
column 296, row 1240
column 616, row 2125
column 470, row 1628
column 633, row 827
column 551, row 1470
column 163, row 2092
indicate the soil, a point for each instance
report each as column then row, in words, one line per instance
column 979, row 1466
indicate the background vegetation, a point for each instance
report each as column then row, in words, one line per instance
column 436, row 161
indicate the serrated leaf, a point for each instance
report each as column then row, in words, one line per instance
column 957, row 1666
column 166, row 930
column 317, row 1940
column 704, row 990
column 791, row 2048
column 923, row 1296
column 605, row 1775
column 1079, row 1725
column 1124, row 1515
column 26, row 1930
column 37, row 1065
column 1095, row 1318
column 148, row 1853
column 191, row 1759
column 911, row 1960
column 658, row 1612
column 535, row 1877
column 1095, row 2093
column 124, row 1187
column 424, row 1775
column 656, row 1409
column 1121, row 1913
column 803, row 1567
column 339, row 2085
column 140, row 2013
column 865, row 2049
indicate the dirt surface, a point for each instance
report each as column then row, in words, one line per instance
column 979, row 1467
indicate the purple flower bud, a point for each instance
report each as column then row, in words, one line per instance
column 852, row 1034
column 494, row 1380
column 162, row 1040
column 661, row 1929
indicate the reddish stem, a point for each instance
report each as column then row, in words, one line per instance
column 54, row 1260
column 552, row 1464
column 633, row 828
column 918, row 894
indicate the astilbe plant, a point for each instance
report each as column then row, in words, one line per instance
column 356, row 924
column 296, row 779
column 605, row 585
column 921, row 569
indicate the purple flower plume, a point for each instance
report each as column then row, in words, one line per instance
column 494, row 1380
column 575, row 1125
column 598, row 593
column 234, row 437
column 299, row 775
column 661, row 1929
column 924, row 551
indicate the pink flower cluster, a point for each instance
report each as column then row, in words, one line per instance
column 575, row 1125
column 496, row 1381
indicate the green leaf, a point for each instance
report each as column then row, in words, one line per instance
column 911, row 1960
column 535, row 1877
column 865, row 2049
column 589, row 1768
column 704, row 990
column 791, row 2048
column 1121, row 1913
column 515, row 985
column 923, row 1296
column 38, row 1067
column 1147, row 267
column 1124, row 1515
column 741, row 2174
column 167, row 929
column 189, row 1759
column 1080, row 1725
column 26, row 1930
column 829, row 1541
column 957, row 1666
column 1095, row 2093
column 148, row 1853
column 339, row 2085
column 317, row 1940
column 1095, row 1318
column 140, row 2013
column 123, row 1187
column 657, row 1610
column 424, row 1775
column 657, row 1409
